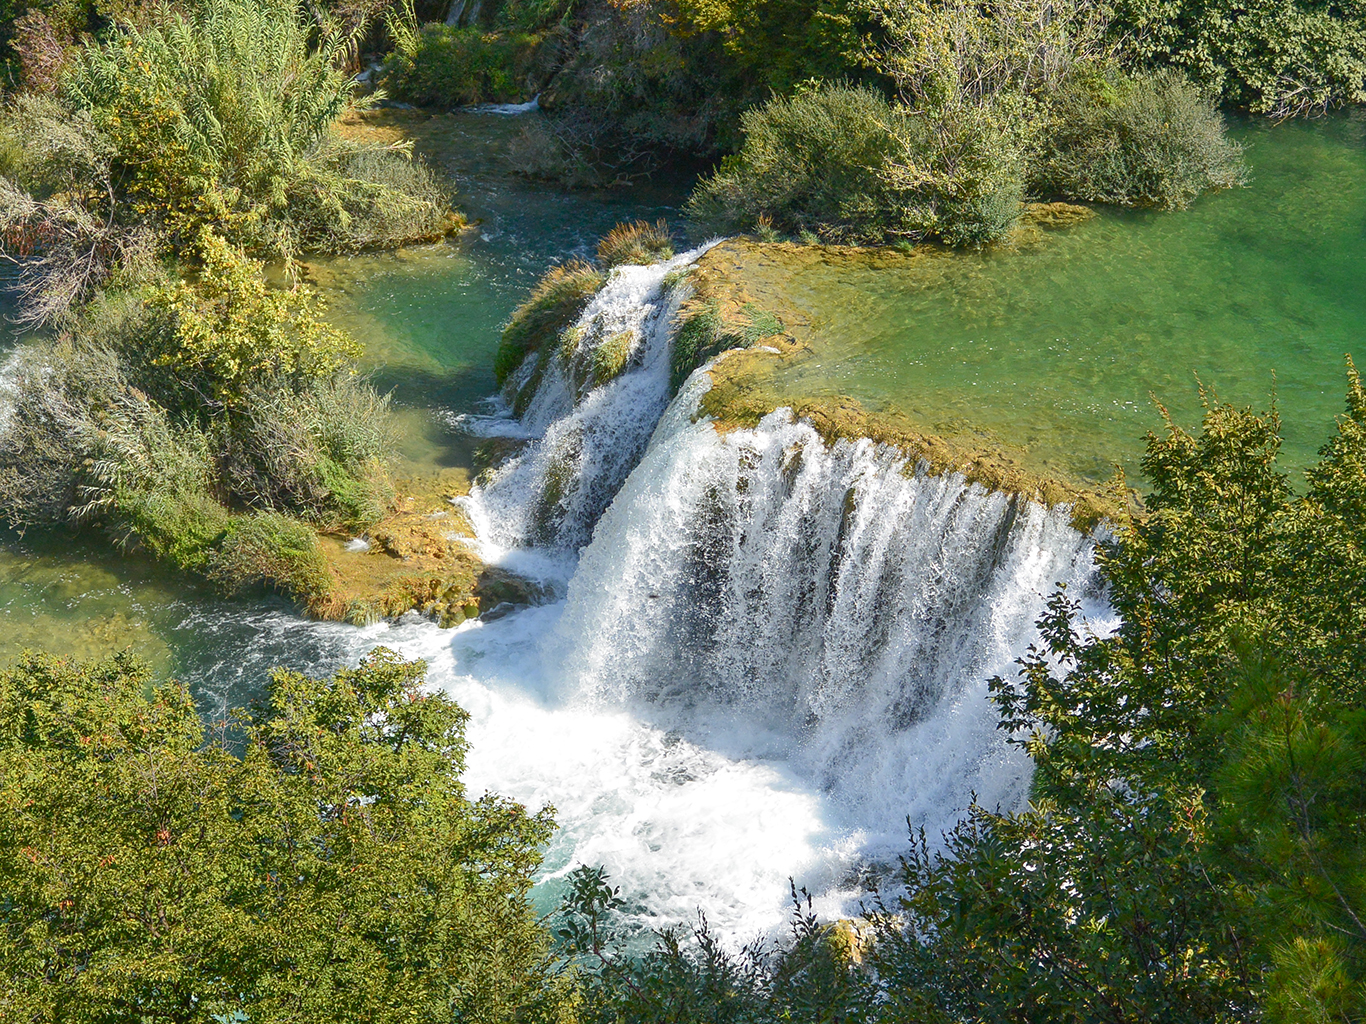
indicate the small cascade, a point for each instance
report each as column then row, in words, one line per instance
column 594, row 400
column 831, row 598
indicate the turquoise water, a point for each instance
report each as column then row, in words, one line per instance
column 1055, row 345
column 430, row 318
column 1058, row 345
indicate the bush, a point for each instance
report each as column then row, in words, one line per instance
column 216, row 115
column 636, row 243
column 814, row 162
column 321, row 862
column 229, row 333
column 554, row 304
column 61, row 397
column 1154, row 140
column 447, row 67
column 371, row 198
column 272, row 550
column 844, row 163
column 318, row 452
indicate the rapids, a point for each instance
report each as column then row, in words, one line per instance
column 762, row 652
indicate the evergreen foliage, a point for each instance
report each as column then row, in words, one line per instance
column 333, row 870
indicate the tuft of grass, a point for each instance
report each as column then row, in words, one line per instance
column 610, row 358
column 270, row 549
column 636, row 243
column 703, row 331
column 554, row 304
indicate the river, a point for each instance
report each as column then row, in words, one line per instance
column 763, row 652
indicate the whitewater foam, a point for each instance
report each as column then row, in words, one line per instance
column 764, row 651
column 587, row 435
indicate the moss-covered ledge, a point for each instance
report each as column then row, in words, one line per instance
column 739, row 302
column 417, row 558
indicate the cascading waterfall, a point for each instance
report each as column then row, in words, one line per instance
column 831, row 598
column 772, row 651
column 587, row 434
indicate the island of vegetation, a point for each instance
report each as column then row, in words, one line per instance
column 1194, row 847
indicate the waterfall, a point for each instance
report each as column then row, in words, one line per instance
column 588, row 433
column 770, row 650
column 831, row 597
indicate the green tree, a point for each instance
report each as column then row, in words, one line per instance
column 1193, row 851
column 333, row 870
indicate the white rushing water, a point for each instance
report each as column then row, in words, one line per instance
column 771, row 651
column 766, row 651
column 586, row 438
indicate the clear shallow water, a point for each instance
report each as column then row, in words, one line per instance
column 716, row 802
column 1059, row 345
column 430, row 318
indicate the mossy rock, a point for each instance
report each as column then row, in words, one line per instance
column 610, row 358
column 554, row 304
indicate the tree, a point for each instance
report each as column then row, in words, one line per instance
column 1193, row 850
column 332, row 868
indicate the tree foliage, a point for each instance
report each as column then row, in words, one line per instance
column 1277, row 57
column 333, row 869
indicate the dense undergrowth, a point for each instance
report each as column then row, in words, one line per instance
column 177, row 400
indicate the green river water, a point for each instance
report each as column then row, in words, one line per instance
column 1060, row 346
column 1055, row 346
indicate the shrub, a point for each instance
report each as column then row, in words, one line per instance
column 844, row 163
column 1154, row 140
column 179, row 525
column 813, row 162
column 61, row 396
column 554, row 304
column 946, row 54
column 229, row 333
column 318, row 451
column 265, row 875
column 371, row 198
column 58, row 209
column 448, row 67
column 220, row 114
column 636, row 243
column 578, row 147
column 272, row 550
column 223, row 105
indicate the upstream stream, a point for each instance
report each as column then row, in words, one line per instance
column 761, row 652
